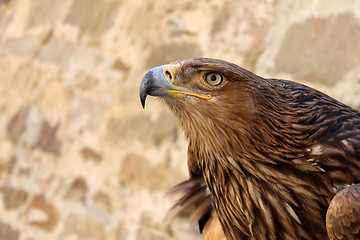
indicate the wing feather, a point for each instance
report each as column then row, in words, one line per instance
column 343, row 215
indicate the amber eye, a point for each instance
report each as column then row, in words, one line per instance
column 213, row 78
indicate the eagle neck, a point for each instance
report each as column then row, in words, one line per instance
column 242, row 176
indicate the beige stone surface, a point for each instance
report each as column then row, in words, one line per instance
column 80, row 159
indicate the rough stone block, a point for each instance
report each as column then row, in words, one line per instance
column 321, row 49
column 13, row 198
column 142, row 128
column 85, row 113
column 17, row 124
column 170, row 52
column 8, row 233
column 137, row 173
column 103, row 200
column 41, row 213
column 91, row 155
column 56, row 51
column 6, row 167
column 77, row 191
column 83, row 227
column 48, row 141
column 19, row 46
column 92, row 21
column 28, row 125
column 44, row 12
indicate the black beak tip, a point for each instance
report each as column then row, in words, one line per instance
column 144, row 90
column 143, row 99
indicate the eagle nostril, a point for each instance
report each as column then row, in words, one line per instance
column 168, row 74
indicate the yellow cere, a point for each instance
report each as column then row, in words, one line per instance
column 170, row 72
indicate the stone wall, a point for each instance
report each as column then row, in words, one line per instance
column 79, row 157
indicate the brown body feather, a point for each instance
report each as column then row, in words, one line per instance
column 272, row 153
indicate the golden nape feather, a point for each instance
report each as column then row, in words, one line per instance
column 266, row 156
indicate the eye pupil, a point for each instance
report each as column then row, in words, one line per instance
column 213, row 78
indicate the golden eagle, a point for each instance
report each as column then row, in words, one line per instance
column 266, row 156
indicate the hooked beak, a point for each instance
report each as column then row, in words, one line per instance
column 154, row 83
column 159, row 82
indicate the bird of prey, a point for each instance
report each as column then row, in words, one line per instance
column 266, row 156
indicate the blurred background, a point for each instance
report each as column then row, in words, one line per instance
column 79, row 158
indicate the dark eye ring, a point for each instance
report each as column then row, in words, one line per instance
column 213, row 78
